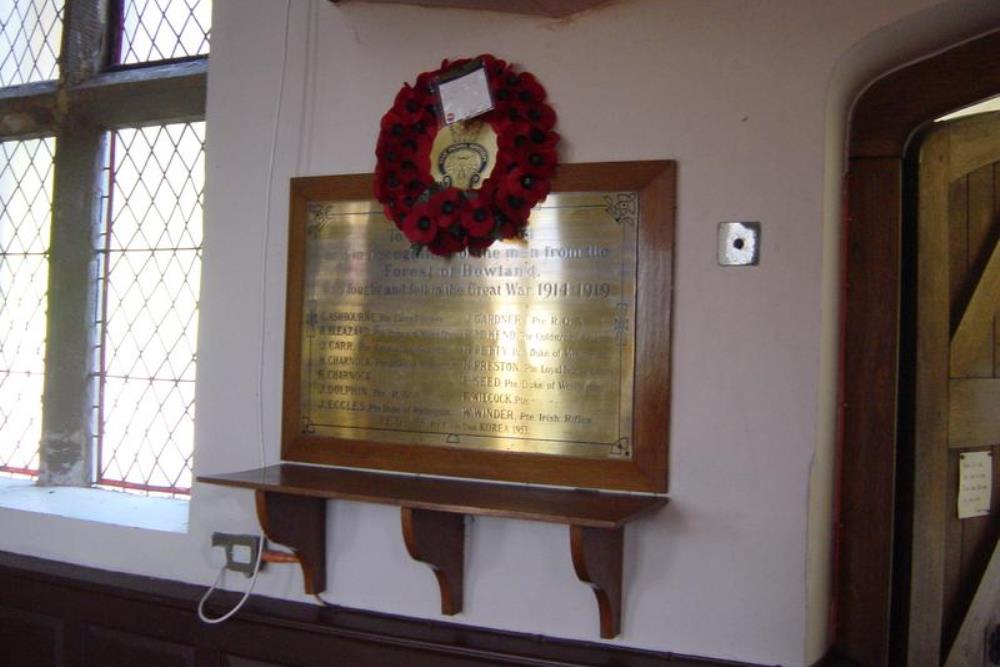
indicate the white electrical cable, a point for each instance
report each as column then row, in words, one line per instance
column 307, row 116
column 215, row 584
column 263, row 330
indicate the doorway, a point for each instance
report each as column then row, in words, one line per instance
column 949, row 433
column 882, row 125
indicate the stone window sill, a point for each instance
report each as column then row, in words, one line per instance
column 98, row 505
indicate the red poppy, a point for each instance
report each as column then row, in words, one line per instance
column 415, row 183
column 507, row 228
column 397, row 208
column 537, row 139
column 387, row 153
column 502, row 100
column 527, row 184
column 382, row 191
column 409, row 104
column 528, row 90
column 477, row 216
column 389, row 182
column 394, row 124
column 418, row 226
column 448, row 241
column 541, row 161
column 524, row 137
column 393, row 211
column 538, row 115
column 396, row 149
column 478, row 245
column 515, row 209
column 514, row 138
column 446, row 207
column 495, row 67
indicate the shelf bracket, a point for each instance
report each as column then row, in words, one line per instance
column 299, row 523
column 438, row 539
column 597, row 559
column 292, row 503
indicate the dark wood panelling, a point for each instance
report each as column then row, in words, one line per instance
column 118, row 619
column 236, row 661
column 30, row 640
column 111, row 648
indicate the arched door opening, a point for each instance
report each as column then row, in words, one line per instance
column 871, row 625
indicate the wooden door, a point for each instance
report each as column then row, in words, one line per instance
column 954, row 591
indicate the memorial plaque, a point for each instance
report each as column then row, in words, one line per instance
column 544, row 360
column 528, row 348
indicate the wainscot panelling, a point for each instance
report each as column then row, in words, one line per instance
column 32, row 640
column 56, row 614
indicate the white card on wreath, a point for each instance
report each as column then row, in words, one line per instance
column 465, row 97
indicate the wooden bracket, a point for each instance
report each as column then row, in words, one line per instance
column 299, row 523
column 597, row 559
column 438, row 539
column 291, row 506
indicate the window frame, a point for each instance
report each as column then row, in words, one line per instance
column 91, row 98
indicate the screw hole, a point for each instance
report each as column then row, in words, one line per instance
column 738, row 244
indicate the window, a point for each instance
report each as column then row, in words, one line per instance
column 30, row 32
column 162, row 30
column 25, row 205
column 150, row 265
column 100, row 239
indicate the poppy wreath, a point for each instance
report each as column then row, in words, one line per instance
column 448, row 220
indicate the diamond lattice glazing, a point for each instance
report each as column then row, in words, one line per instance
column 25, row 217
column 152, row 265
column 164, row 29
column 30, row 33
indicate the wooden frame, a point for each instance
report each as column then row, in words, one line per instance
column 646, row 471
column 890, row 112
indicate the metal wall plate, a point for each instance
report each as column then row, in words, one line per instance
column 739, row 243
column 248, row 546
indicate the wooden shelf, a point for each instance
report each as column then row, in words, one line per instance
column 291, row 506
column 585, row 508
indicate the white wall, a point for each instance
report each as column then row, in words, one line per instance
column 740, row 94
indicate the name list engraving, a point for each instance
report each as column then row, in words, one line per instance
column 529, row 348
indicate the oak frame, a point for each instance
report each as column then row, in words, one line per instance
column 655, row 181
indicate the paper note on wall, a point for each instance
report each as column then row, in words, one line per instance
column 975, row 484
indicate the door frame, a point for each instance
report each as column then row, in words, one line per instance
column 890, row 112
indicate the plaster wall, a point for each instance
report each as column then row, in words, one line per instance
column 750, row 97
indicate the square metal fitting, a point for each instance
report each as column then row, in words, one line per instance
column 739, row 243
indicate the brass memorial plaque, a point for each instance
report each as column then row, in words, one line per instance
column 527, row 349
